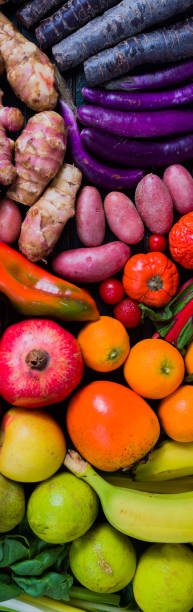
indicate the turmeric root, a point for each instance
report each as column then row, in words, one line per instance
column 12, row 120
column 39, row 153
column 45, row 220
column 29, row 71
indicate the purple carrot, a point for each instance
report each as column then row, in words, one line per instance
column 72, row 16
column 124, row 101
column 97, row 173
column 131, row 152
column 34, row 10
column 137, row 125
column 126, row 19
column 167, row 77
column 168, row 44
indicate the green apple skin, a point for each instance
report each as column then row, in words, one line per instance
column 103, row 560
column 164, row 579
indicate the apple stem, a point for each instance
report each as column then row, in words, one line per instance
column 37, row 359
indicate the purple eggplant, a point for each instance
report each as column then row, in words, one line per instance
column 97, row 173
column 167, row 77
column 137, row 152
column 124, row 101
column 137, row 125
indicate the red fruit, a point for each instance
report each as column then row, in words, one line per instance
column 157, row 243
column 111, row 291
column 40, row 363
column 128, row 312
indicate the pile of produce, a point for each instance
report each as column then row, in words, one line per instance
column 96, row 293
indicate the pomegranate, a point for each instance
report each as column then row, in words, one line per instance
column 40, row 363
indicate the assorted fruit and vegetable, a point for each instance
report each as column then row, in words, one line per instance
column 96, row 295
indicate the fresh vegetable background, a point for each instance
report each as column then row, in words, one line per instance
column 91, row 287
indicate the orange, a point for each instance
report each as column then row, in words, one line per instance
column 154, row 368
column 176, row 414
column 189, row 359
column 104, row 344
column 110, row 425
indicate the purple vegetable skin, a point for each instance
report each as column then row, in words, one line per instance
column 139, row 101
column 167, row 77
column 131, row 152
column 137, row 125
column 97, row 173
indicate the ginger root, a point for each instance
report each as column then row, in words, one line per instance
column 45, row 220
column 39, row 153
column 10, row 119
column 29, row 71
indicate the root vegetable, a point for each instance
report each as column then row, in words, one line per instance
column 123, row 218
column 72, row 16
column 12, row 120
column 180, row 184
column 92, row 265
column 90, row 217
column 45, row 220
column 154, row 204
column 10, row 221
column 120, row 22
column 29, row 71
column 34, row 10
column 39, row 153
column 168, row 44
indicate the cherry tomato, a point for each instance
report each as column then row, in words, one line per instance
column 157, row 243
column 128, row 312
column 111, row 291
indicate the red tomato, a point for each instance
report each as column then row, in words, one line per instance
column 157, row 243
column 128, row 312
column 111, row 291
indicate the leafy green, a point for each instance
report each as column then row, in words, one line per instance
column 7, row 588
column 13, row 548
column 50, row 584
column 36, row 566
column 26, row 560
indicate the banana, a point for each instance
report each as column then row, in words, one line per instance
column 151, row 517
column 178, row 485
column 170, row 460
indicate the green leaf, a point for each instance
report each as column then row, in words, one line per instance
column 7, row 588
column 62, row 562
column 13, row 548
column 37, row 565
column 50, row 584
column 185, row 335
column 157, row 315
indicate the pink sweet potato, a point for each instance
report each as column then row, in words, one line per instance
column 92, row 265
column 180, row 184
column 123, row 218
column 154, row 204
column 10, row 221
column 90, row 217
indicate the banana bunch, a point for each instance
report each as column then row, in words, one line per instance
column 151, row 517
